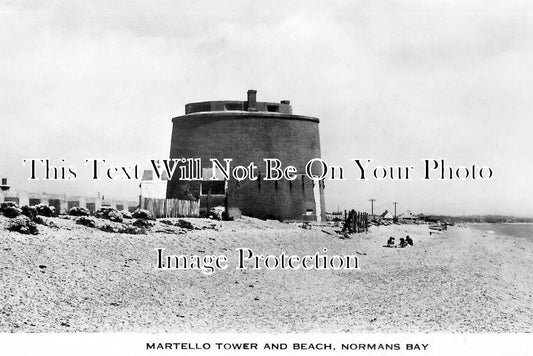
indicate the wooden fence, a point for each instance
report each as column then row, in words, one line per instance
column 355, row 221
column 171, row 208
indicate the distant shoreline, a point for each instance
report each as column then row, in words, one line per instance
column 501, row 223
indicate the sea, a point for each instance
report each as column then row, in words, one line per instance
column 523, row 231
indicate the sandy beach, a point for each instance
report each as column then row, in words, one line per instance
column 74, row 278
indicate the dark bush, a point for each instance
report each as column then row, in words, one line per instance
column 109, row 213
column 12, row 212
column 133, row 230
column 79, row 211
column 8, row 204
column 45, row 210
column 115, row 216
column 109, row 228
column 39, row 220
column 142, row 223
column 87, row 221
column 29, row 211
column 142, row 214
column 23, row 225
column 103, row 212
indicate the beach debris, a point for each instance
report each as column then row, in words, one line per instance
column 87, row 221
column 361, row 253
column 168, row 230
column 23, row 225
column 142, row 214
column 185, row 224
column 123, row 229
column 132, row 230
column 126, row 214
column 343, row 235
column 210, row 226
column 326, row 232
column 79, row 211
column 438, row 226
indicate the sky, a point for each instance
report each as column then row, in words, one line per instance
column 396, row 82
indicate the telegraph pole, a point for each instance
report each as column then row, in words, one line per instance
column 372, row 205
column 395, row 208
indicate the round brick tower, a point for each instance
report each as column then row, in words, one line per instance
column 249, row 131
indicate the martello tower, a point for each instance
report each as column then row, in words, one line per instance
column 249, row 131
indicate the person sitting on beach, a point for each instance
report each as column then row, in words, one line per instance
column 390, row 242
column 403, row 243
column 409, row 240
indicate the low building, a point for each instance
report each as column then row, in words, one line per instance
column 62, row 202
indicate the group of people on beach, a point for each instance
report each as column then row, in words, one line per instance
column 404, row 242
